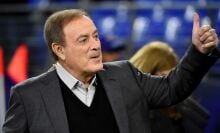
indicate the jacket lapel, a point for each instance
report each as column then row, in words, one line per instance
column 114, row 95
column 52, row 96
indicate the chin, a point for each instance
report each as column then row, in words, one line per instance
column 95, row 67
column 100, row 67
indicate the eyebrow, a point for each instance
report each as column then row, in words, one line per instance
column 86, row 35
column 95, row 32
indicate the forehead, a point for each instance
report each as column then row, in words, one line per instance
column 79, row 25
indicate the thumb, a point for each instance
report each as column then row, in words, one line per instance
column 196, row 23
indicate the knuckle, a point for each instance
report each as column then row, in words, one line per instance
column 207, row 33
column 206, row 27
column 211, row 38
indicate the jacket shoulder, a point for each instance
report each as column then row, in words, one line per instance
column 32, row 83
column 118, row 65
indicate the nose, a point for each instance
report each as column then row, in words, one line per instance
column 96, row 44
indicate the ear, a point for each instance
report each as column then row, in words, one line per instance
column 58, row 49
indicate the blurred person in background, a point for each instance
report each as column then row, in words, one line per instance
column 158, row 58
column 112, row 47
column 80, row 94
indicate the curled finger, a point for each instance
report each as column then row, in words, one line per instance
column 205, row 36
column 204, row 29
column 210, row 45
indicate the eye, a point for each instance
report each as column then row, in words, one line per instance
column 83, row 40
column 96, row 36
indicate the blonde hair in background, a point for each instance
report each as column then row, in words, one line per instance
column 154, row 56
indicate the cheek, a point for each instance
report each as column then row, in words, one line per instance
column 79, row 55
column 62, row 56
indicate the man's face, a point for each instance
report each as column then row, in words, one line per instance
column 82, row 50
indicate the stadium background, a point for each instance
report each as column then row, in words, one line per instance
column 134, row 21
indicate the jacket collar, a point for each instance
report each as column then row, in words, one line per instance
column 52, row 96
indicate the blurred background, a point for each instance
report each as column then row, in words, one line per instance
column 23, row 53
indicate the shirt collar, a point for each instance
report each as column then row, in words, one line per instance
column 70, row 80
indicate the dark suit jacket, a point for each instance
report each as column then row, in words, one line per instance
column 36, row 105
column 194, row 119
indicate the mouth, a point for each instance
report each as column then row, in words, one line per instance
column 95, row 55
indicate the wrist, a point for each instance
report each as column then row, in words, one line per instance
column 214, row 53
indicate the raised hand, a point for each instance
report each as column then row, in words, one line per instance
column 204, row 38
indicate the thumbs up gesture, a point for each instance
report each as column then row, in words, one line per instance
column 204, row 38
